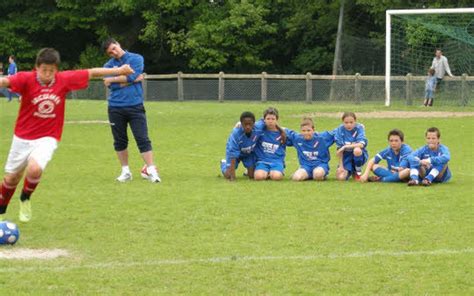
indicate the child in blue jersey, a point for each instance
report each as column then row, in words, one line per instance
column 270, row 149
column 430, row 162
column 430, row 87
column 240, row 146
column 313, row 151
column 351, row 147
column 395, row 155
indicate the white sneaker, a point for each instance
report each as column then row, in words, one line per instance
column 151, row 174
column 124, row 177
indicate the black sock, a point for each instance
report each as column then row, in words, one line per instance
column 25, row 196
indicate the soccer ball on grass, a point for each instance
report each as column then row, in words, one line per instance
column 9, row 233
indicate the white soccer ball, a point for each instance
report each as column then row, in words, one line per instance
column 9, row 233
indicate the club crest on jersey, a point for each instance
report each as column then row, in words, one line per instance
column 46, row 104
column 315, row 144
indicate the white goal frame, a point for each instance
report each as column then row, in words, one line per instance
column 388, row 35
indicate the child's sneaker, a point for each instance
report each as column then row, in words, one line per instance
column 412, row 182
column 426, row 182
column 25, row 211
column 357, row 176
column 124, row 177
column 144, row 172
column 223, row 165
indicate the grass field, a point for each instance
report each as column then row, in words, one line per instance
column 196, row 233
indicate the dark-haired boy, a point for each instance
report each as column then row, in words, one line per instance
column 430, row 162
column 395, row 155
column 40, row 121
column 240, row 146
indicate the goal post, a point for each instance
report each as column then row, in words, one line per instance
column 388, row 36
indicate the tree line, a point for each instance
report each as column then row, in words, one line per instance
column 276, row 36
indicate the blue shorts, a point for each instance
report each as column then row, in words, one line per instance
column 248, row 161
column 309, row 169
column 270, row 166
column 348, row 160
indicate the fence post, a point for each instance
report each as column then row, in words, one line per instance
column 145, row 87
column 264, row 87
column 107, row 92
column 357, row 97
column 464, row 96
column 221, row 87
column 408, row 96
column 309, row 88
column 180, row 86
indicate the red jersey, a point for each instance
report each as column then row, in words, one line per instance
column 42, row 105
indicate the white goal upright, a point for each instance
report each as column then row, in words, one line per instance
column 412, row 35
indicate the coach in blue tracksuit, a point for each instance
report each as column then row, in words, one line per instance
column 126, row 108
column 12, row 69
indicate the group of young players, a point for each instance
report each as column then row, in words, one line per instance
column 261, row 147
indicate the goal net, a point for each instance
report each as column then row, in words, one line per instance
column 412, row 39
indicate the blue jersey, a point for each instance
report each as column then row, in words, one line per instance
column 269, row 148
column 438, row 157
column 313, row 151
column 12, row 69
column 394, row 161
column 241, row 145
column 132, row 94
column 343, row 136
column 430, row 83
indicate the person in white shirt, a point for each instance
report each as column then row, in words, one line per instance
column 441, row 66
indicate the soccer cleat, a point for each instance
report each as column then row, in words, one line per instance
column 223, row 166
column 25, row 211
column 150, row 173
column 426, row 182
column 124, row 177
column 357, row 176
column 412, row 182
column 374, row 179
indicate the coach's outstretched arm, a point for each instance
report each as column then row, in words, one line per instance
column 101, row 72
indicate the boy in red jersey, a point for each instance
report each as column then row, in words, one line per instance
column 40, row 122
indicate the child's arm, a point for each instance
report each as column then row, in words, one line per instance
column 441, row 159
column 121, row 71
column 230, row 172
column 4, row 82
column 365, row 175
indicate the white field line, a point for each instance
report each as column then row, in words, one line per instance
column 14, row 253
column 87, row 122
column 234, row 259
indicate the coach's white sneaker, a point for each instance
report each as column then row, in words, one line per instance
column 25, row 211
column 124, row 177
column 151, row 174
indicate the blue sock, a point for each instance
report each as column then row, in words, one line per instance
column 392, row 178
column 382, row 172
column 430, row 178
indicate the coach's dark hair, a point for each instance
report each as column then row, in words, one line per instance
column 396, row 132
column 270, row 111
column 247, row 114
column 48, row 56
column 349, row 114
column 107, row 43
column 433, row 130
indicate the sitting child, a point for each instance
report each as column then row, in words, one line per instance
column 270, row 149
column 430, row 162
column 351, row 147
column 240, row 146
column 313, row 151
column 395, row 155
